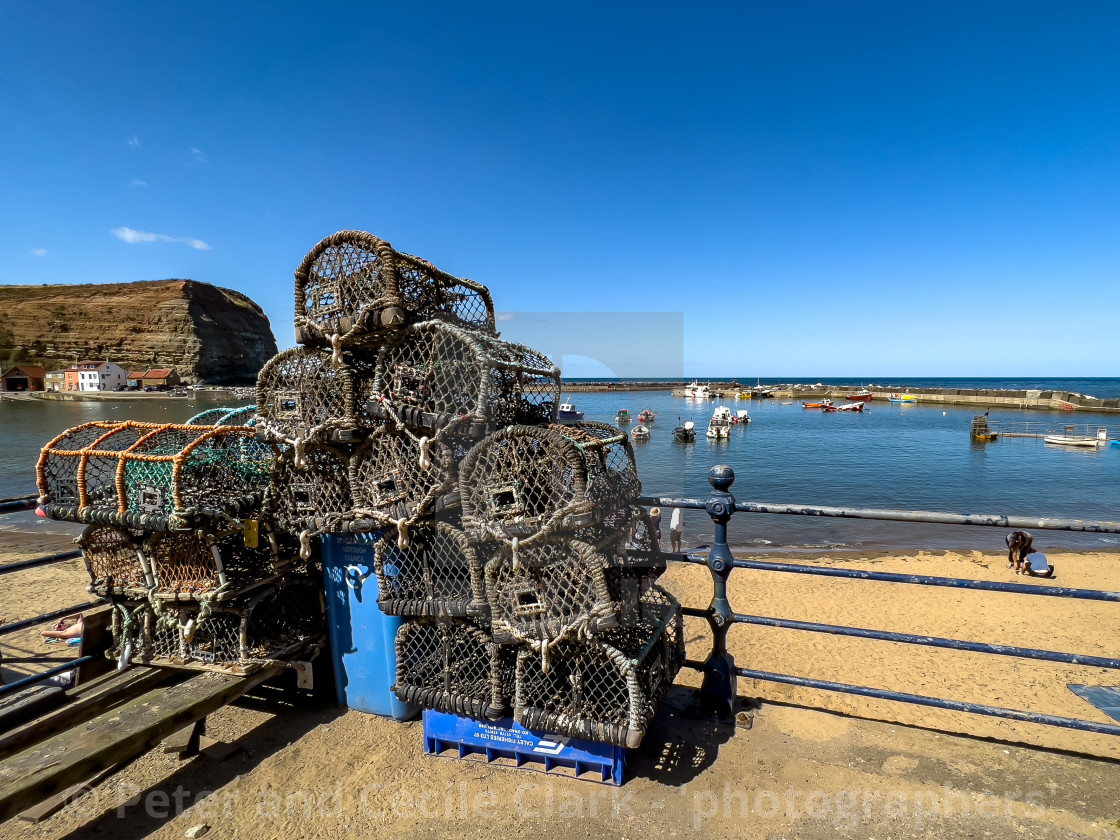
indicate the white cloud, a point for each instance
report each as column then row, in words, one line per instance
column 134, row 141
column 39, row 252
column 503, row 316
column 198, row 156
column 136, row 182
column 133, row 237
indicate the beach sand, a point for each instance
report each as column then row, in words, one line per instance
column 322, row 772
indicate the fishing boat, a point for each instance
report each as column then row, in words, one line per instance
column 862, row 396
column 742, row 416
column 821, row 404
column 720, row 424
column 695, row 391
column 640, row 432
column 685, row 431
column 1070, row 438
column 647, row 415
column 568, row 413
column 849, row 406
column 622, row 418
column 902, row 398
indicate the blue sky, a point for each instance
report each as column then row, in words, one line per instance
column 818, row 189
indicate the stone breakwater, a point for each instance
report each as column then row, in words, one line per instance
column 979, row 397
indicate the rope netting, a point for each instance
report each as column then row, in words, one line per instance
column 312, row 495
column 396, row 481
column 451, row 665
column 433, row 377
column 225, row 416
column 354, row 286
column 530, row 482
column 153, row 476
column 114, row 560
column 302, row 395
column 438, row 574
column 607, row 688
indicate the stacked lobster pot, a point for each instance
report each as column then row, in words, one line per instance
column 504, row 540
column 175, row 540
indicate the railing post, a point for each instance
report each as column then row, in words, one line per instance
column 719, row 689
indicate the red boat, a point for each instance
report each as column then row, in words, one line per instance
column 861, row 396
column 851, row 406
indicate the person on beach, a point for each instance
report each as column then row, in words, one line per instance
column 65, row 630
column 676, row 530
column 655, row 527
column 1022, row 556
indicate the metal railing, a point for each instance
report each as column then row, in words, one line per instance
column 719, row 690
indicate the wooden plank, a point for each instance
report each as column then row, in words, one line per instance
column 185, row 741
column 97, row 638
column 82, row 703
column 47, row 768
column 52, row 805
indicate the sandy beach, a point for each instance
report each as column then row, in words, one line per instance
column 689, row 774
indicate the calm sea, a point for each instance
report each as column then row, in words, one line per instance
column 893, row 456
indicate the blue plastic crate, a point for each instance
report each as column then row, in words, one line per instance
column 507, row 739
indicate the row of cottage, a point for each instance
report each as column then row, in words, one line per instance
column 86, row 376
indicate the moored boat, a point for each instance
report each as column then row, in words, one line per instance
column 1070, row 438
column 647, row 415
column 821, row 404
column 902, row 398
column 685, row 431
column 640, row 432
column 720, row 424
column 622, row 418
column 862, row 396
column 742, row 416
column 695, row 391
column 568, row 413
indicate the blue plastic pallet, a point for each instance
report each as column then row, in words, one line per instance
column 507, row 739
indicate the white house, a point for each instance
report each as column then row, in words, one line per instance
column 100, row 376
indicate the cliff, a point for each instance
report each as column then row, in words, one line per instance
column 206, row 333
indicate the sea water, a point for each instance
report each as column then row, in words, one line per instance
column 917, row 457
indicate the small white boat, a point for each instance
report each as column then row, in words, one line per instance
column 640, row 432
column 1071, row 439
column 695, row 391
column 568, row 413
column 742, row 416
column 685, row 431
column 720, row 424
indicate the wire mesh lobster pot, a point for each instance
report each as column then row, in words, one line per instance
column 528, row 482
column 114, row 560
column 354, row 287
column 163, row 477
column 438, row 574
column 313, row 494
column 435, row 376
column 563, row 589
column 302, row 395
column 272, row 623
column 397, row 481
column 608, row 688
column 225, row 416
column 216, row 564
column 451, row 665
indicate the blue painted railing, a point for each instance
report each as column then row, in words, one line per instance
column 719, row 688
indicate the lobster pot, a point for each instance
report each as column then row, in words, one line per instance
column 529, row 482
column 397, row 481
column 225, row 416
column 163, row 476
column 353, row 288
column 435, row 376
column 563, row 590
column 606, row 689
column 303, row 396
column 450, row 665
column 273, row 623
column 71, row 476
column 213, row 564
column 438, row 574
column 114, row 560
column 312, row 495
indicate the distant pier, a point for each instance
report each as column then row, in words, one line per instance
column 980, row 398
